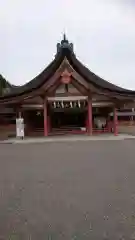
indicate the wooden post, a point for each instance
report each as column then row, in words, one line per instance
column 115, row 121
column 89, row 116
column 45, row 118
column 49, row 124
column 18, row 111
column 20, row 114
column 108, row 124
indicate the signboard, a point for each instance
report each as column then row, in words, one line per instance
column 66, row 77
column 20, row 127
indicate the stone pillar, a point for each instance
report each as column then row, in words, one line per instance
column 89, row 116
column 115, row 121
column 20, row 115
column 45, row 118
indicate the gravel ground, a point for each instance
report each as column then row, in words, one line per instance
column 62, row 191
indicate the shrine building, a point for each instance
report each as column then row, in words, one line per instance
column 65, row 98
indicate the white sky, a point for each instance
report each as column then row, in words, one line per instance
column 103, row 33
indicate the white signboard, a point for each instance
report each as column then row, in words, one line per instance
column 20, row 127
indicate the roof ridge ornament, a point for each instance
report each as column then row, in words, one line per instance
column 64, row 44
column 64, row 36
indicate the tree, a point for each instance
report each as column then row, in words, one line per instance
column 4, row 84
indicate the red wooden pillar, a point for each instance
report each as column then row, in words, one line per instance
column 49, row 124
column 115, row 121
column 89, row 125
column 45, row 118
column 108, row 124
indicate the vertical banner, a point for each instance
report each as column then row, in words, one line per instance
column 20, row 127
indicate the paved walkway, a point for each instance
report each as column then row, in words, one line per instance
column 68, row 191
column 71, row 138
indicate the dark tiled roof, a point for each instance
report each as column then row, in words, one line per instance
column 65, row 49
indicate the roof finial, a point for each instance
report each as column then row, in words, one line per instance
column 64, row 43
column 64, row 36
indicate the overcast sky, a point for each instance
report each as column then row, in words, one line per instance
column 102, row 31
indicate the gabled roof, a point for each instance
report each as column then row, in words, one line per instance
column 65, row 49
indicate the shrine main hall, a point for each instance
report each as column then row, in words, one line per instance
column 66, row 98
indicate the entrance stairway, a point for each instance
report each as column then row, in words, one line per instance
column 67, row 130
column 56, row 131
column 35, row 132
